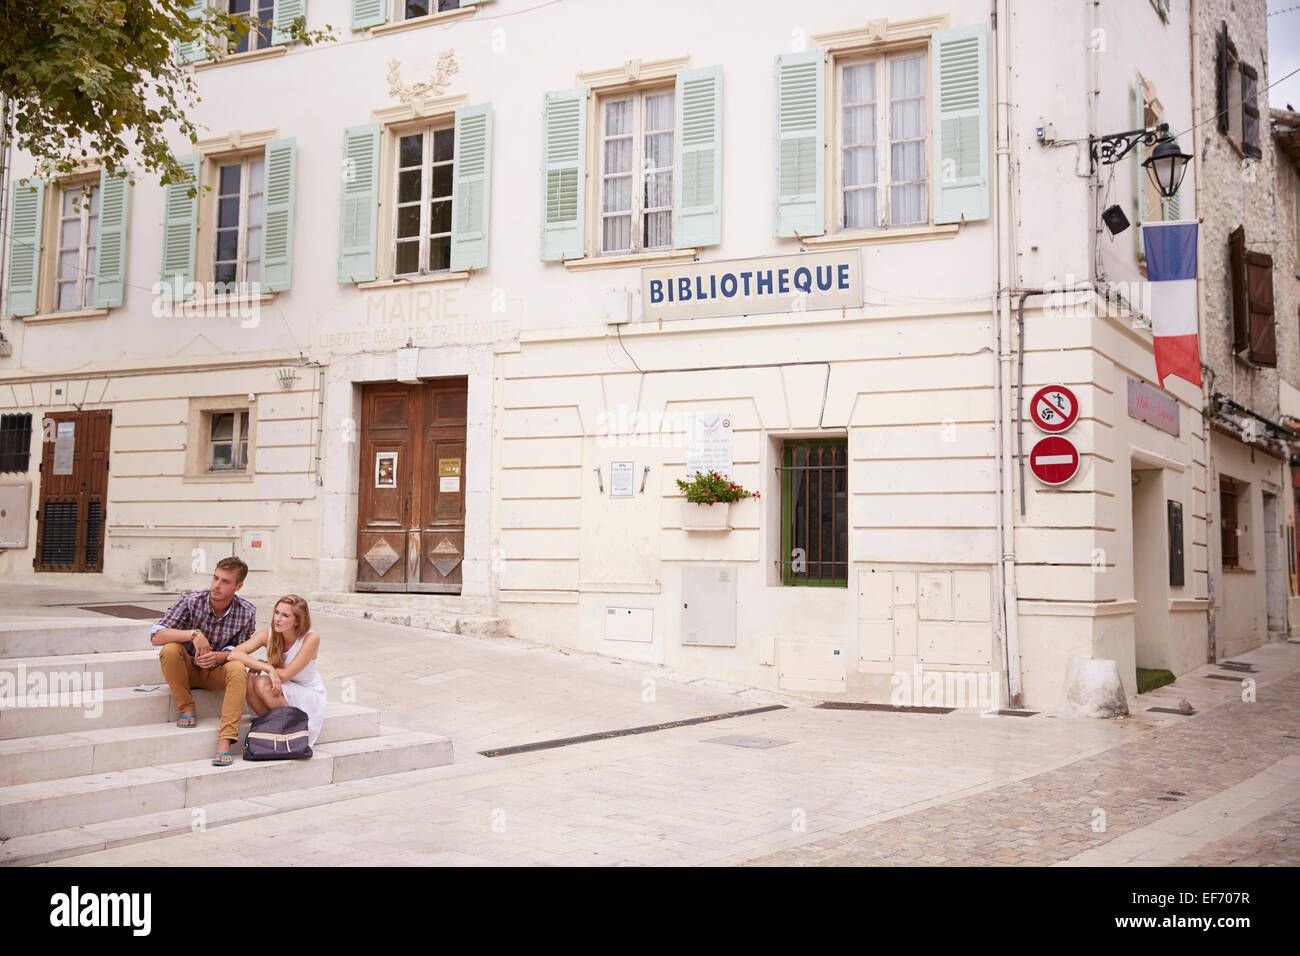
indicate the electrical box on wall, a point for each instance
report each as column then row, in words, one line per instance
column 629, row 624
column 15, row 503
column 255, row 549
column 709, row 606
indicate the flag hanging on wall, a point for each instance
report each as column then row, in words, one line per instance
column 1171, row 270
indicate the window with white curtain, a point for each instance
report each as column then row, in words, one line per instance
column 883, row 170
column 636, row 171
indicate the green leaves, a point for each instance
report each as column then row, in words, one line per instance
column 710, row 487
column 103, row 78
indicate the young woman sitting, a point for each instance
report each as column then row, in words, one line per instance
column 288, row 677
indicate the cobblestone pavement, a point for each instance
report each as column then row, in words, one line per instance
column 1271, row 841
column 1049, row 817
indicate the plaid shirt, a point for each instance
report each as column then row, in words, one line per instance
column 194, row 610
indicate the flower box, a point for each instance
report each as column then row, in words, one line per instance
column 705, row 517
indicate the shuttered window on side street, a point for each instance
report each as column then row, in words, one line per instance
column 814, row 513
column 1228, row 521
column 1253, row 323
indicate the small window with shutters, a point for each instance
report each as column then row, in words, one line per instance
column 652, row 139
column 1228, row 533
column 67, row 244
column 905, row 121
column 1237, row 96
column 1254, row 323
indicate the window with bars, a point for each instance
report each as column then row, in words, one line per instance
column 258, row 36
column 422, row 224
column 15, row 442
column 228, row 441
column 815, row 513
column 883, row 120
column 636, row 171
column 237, row 256
column 78, row 240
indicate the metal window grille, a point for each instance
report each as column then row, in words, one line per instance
column 15, row 442
column 815, row 513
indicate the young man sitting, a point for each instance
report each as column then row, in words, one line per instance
column 196, row 635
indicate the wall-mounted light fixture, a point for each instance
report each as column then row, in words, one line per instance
column 1166, row 165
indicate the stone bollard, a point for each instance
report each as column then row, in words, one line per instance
column 1093, row 689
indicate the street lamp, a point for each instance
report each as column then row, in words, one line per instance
column 1166, row 165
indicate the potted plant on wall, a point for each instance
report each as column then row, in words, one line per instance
column 707, row 504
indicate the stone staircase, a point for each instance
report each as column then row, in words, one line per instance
column 95, row 763
column 449, row 613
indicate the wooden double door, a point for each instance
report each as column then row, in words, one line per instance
column 74, row 491
column 411, row 513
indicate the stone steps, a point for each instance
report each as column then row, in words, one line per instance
column 448, row 622
column 100, row 750
column 89, row 838
column 50, row 805
column 41, row 637
column 119, row 668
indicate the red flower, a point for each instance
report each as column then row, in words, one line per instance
column 715, row 498
column 754, row 495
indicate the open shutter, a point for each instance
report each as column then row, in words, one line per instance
column 799, row 180
column 194, row 50
column 959, row 61
column 359, row 204
column 564, row 174
column 368, row 13
column 1250, row 112
column 1140, row 153
column 1221, row 76
column 1259, row 294
column 697, row 179
column 471, row 188
column 25, row 245
column 282, row 16
column 1240, row 303
column 110, row 261
column 1172, row 208
column 180, row 232
column 277, row 249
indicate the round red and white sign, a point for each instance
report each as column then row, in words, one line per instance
column 1054, row 408
column 1054, row 460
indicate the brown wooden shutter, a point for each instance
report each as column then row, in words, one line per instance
column 1240, row 305
column 1228, row 521
column 1250, row 112
column 1259, row 294
column 1221, row 75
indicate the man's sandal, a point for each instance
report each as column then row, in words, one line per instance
column 218, row 762
column 187, row 720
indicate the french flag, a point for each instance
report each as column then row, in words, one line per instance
column 1171, row 270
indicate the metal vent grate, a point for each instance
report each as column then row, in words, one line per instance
column 94, row 528
column 59, row 538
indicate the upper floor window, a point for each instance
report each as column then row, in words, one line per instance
column 78, row 238
column 228, row 441
column 410, row 9
column 260, row 14
column 237, row 253
column 636, row 174
column 883, row 154
column 1237, row 88
column 422, row 227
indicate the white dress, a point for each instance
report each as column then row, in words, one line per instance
column 307, row 692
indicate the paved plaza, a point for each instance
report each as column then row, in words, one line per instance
column 796, row 785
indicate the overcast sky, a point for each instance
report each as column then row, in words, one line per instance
column 1284, row 52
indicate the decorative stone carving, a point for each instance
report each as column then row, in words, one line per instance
column 414, row 94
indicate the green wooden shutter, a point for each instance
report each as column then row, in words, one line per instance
column 960, row 80
column 471, row 188
column 359, row 204
column 697, row 179
column 282, row 16
column 564, row 174
column 277, row 247
column 180, row 232
column 368, row 13
column 25, row 219
column 799, row 183
column 191, row 51
column 110, row 253
column 1140, row 152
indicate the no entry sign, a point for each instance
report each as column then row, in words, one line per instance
column 1054, row 408
column 1054, row 460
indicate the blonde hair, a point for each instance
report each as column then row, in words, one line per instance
column 275, row 645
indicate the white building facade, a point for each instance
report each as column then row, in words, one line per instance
column 509, row 269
